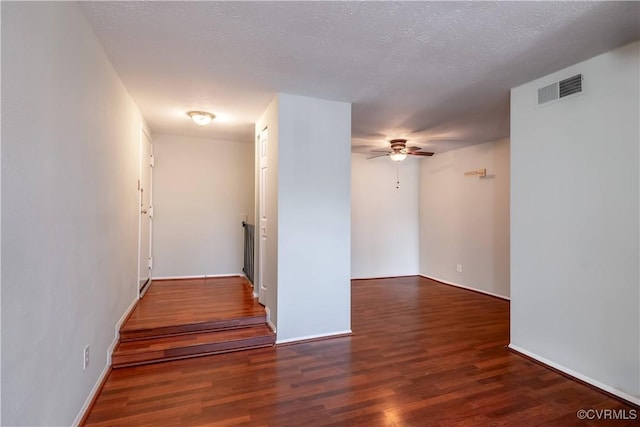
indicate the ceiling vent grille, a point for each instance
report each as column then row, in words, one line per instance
column 570, row 86
column 548, row 93
column 561, row 89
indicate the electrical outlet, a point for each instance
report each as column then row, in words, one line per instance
column 459, row 268
column 86, row 357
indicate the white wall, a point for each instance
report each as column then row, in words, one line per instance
column 384, row 219
column 465, row 219
column 574, row 223
column 201, row 189
column 314, row 217
column 307, row 266
column 0, row 237
column 70, row 142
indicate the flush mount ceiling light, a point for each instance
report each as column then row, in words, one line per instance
column 201, row 118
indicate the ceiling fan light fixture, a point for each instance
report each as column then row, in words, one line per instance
column 398, row 156
column 201, row 118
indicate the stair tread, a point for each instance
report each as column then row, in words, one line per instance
column 180, row 328
column 164, row 321
column 193, row 339
column 171, row 303
column 180, row 319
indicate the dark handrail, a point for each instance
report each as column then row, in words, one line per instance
column 249, row 231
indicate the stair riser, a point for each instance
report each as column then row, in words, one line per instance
column 190, row 351
column 192, row 328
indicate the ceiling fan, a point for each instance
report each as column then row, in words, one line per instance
column 400, row 151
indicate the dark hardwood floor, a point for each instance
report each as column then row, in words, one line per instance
column 421, row 354
column 168, row 303
column 179, row 319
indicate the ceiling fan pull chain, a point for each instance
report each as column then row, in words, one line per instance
column 398, row 176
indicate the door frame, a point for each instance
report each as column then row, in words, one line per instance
column 261, row 226
column 142, row 289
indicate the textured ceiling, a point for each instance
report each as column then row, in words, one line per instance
column 438, row 73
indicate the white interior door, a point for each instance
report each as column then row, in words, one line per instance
column 262, row 226
column 145, row 262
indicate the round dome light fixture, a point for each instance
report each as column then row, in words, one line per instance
column 201, row 118
column 398, row 156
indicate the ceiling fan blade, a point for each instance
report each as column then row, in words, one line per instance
column 412, row 149
column 377, row 155
column 421, row 153
column 361, row 148
column 380, row 151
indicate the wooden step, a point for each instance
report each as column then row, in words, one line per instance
column 174, row 347
column 128, row 334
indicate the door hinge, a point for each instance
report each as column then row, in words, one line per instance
column 138, row 185
column 150, row 211
column 150, row 263
column 151, row 160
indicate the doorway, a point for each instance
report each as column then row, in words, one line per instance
column 262, row 216
column 145, row 180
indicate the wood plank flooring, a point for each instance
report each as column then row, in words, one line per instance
column 178, row 319
column 199, row 344
column 421, row 354
column 200, row 304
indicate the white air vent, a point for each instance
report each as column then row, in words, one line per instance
column 548, row 93
column 570, row 86
column 561, row 89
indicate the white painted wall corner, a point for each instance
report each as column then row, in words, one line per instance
column 457, row 285
column 621, row 394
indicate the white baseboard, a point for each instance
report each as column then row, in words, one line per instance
column 146, row 288
column 314, row 337
column 94, row 391
column 633, row 399
column 269, row 322
column 384, row 277
column 457, row 285
column 201, row 276
column 105, row 370
column 119, row 324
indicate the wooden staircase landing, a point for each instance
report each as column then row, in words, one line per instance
column 178, row 319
